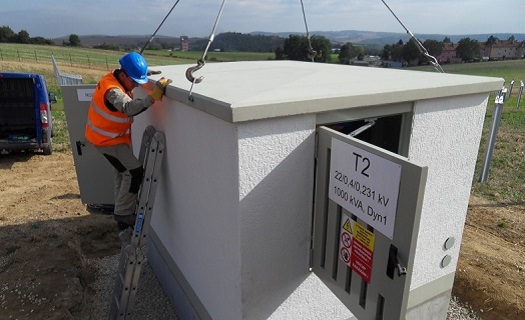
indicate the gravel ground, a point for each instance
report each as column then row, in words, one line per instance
column 152, row 303
column 460, row 311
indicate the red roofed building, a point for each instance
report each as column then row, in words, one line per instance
column 448, row 55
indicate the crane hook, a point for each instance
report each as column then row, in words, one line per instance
column 312, row 54
column 191, row 70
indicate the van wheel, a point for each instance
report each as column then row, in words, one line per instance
column 48, row 150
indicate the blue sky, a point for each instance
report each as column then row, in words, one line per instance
column 55, row 18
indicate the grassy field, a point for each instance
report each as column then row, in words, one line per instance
column 507, row 69
column 506, row 179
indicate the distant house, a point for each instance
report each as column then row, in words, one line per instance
column 372, row 61
column 499, row 50
column 449, row 55
column 504, row 49
column 360, row 63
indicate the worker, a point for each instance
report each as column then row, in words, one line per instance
column 108, row 128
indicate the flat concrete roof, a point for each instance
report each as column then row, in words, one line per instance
column 252, row 90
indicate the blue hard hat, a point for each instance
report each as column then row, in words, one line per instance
column 135, row 66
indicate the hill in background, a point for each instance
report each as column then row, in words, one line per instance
column 383, row 38
column 366, row 38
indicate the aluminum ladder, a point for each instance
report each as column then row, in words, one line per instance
column 133, row 253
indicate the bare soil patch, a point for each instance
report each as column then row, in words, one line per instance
column 47, row 235
column 491, row 268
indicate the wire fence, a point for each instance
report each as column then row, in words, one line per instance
column 79, row 57
column 72, row 58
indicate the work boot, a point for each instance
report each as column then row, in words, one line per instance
column 125, row 221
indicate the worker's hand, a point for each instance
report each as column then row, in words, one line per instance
column 160, row 88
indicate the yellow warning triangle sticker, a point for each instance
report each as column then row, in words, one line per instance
column 347, row 226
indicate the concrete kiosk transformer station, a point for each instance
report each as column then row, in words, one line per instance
column 267, row 209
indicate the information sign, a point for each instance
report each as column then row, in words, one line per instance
column 365, row 184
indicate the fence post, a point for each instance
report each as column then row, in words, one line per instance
column 107, row 66
column 18, row 53
column 89, row 63
column 496, row 117
column 36, row 58
column 70, row 60
column 520, row 93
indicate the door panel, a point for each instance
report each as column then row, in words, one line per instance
column 94, row 173
column 366, row 220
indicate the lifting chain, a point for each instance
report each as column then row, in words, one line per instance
column 201, row 61
column 419, row 45
column 160, row 25
column 311, row 52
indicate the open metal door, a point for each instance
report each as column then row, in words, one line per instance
column 366, row 220
column 94, row 173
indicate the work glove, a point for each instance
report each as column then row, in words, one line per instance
column 160, row 88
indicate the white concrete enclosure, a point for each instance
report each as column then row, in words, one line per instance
column 231, row 225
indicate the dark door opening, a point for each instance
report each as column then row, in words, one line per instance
column 383, row 132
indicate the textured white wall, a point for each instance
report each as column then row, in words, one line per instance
column 276, row 188
column 445, row 137
column 313, row 300
column 233, row 206
column 196, row 206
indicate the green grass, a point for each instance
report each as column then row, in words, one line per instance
column 507, row 69
column 74, row 56
column 61, row 135
column 502, row 223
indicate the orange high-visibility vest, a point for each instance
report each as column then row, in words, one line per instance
column 105, row 127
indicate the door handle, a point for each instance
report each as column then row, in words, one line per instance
column 393, row 264
column 79, row 147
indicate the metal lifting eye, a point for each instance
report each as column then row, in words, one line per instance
column 312, row 54
column 191, row 70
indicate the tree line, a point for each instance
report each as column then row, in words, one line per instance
column 297, row 47
column 467, row 49
column 409, row 52
column 8, row 35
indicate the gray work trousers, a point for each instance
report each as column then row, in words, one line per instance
column 128, row 177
